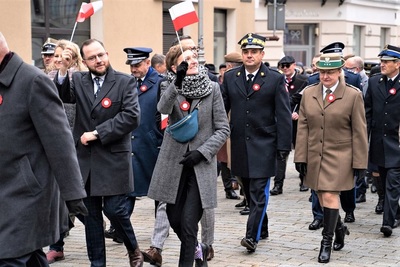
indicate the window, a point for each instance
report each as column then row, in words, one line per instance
column 385, row 37
column 169, row 34
column 219, row 36
column 357, row 39
column 55, row 19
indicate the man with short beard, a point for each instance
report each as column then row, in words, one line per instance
column 107, row 111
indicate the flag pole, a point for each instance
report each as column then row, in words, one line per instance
column 73, row 31
column 179, row 40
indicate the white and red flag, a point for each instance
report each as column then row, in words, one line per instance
column 183, row 14
column 88, row 9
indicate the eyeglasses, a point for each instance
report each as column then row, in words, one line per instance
column 286, row 65
column 194, row 49
column 93, row 58
column 327, row 72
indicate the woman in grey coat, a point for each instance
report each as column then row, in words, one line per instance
column 185, row 175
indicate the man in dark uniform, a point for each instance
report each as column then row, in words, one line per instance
column 261, row 127
column 147, row 138
column 383, row 118
column 347, row 198
column 48, row 49
column 295, row 82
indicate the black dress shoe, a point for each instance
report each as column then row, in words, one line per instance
column 303, row 188
column 277, row 190
column 245, row 211
column 396, row 223
column 386, row 230
column 231, row 194
column 379, row 207
column 315, row 225
column 349, row 218
column 241, row 204
column 249, row 243
column 203, row 262
column 361, row 198
column 373, row 188
column 264, row 234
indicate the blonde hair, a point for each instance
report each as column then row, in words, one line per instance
column 77, row 61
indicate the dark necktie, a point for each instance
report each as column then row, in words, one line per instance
column 249, row 82
column 97, row 81
column 139, row 83
column 390, row 84
column 327, row 92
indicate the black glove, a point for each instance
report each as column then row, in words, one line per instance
column 181, row 73
column 282, row 154
column 359, row 173
column 301, row 167
column 192, row 158
column 76, row 207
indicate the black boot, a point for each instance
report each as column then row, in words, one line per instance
column 281, row 162
column 340, row 232
column 330, row 221
column 380, row 190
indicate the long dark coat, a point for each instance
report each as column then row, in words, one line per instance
column 383, row 119
column 261, row 121
column 38, row 160
column 115, row 113
column 147, row 138
column 212, row 134
column 332, row 137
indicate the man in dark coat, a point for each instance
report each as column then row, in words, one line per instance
column 38, row 163
column 295, row 82
column 261, row 127
column 107, row 111
column 383, row 117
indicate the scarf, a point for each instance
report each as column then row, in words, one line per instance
column 193, row 86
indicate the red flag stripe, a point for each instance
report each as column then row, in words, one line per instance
column 184, row 20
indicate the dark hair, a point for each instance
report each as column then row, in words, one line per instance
column 172, row 55
column 157, row 59
column 88, row 42
column 183, row 37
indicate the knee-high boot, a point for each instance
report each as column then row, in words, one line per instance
column 380, row 190
column 330, row 221
column 340, row 232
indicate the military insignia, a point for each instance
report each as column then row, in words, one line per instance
column 185, row 106
column 238, row 73
column 381, row 80
column 1, row 99
column 392, row 91
column 256, row 87
column 143, row 88
column 262, row 74
column 106, row 102
column 331, row 98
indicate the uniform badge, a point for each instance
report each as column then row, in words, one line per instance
column 238, row 74
column 185, row 106
column 1, row 99
column 143, row 88
column 106, row 102
column 392, row 91
column 262, row 74
column 331, row 98
column 256, row 87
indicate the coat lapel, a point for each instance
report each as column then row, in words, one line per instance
column 108, row 83
column 240, row 73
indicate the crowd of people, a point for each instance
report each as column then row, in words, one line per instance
column 91, row 140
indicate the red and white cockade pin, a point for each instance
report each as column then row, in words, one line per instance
column 106, row 102
column 331, row 98
column 256, row 87
column 1, row 99
column 392, row 91
column 143, row 88
column 185, row 105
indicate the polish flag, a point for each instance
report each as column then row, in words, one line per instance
column 183, row 14
column 88, row 9
column 164, row 121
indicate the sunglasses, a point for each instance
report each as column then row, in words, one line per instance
column 286, row 65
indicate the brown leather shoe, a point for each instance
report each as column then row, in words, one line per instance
column 152, row 256
column 135, row 258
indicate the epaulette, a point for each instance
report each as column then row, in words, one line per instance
column 315, row 73
column 232, row 69
column 308, row 86
column 352, row 86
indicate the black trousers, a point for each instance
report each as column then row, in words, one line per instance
column 185, row 214
column 391, row 182
column 257, row 195
column 34, row 259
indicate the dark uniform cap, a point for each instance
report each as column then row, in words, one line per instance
column 252, row 40
column 336, row 47
column 136, row 55
column 234, row 57
column 48, row 49
column 286, row 60
column 390, row 52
